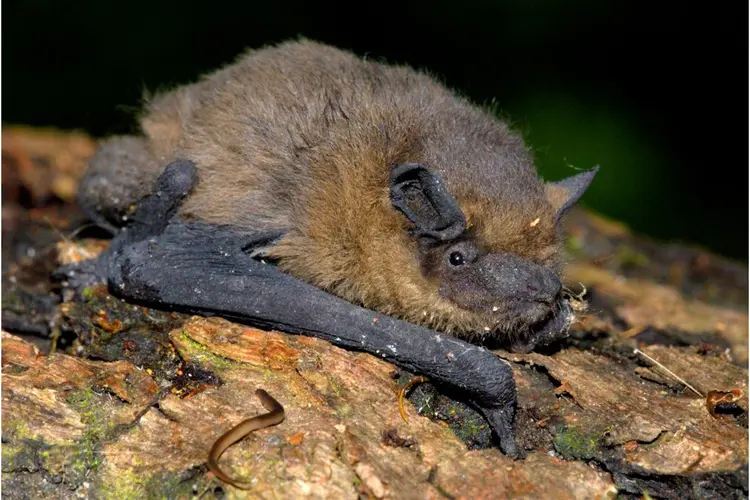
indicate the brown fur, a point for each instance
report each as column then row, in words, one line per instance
column 301, row 136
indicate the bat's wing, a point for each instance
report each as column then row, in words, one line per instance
column 202, row 269
column 207, row 269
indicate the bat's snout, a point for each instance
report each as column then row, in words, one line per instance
column 507, row 287
column 521, row 279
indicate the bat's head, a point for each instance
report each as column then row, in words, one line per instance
column 498, row 264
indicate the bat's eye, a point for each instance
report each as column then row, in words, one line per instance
column 457, row 259
column 462, row 253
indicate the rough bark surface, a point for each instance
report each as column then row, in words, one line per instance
column 133, row 399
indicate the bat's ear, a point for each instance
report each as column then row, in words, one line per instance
column 421, row 196
column 563, row 194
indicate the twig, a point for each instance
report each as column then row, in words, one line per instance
column 638, row 351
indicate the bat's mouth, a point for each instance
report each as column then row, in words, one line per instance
column 552, row 328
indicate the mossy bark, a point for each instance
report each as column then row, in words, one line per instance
column 134, row 398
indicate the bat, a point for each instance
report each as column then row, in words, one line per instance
column 312, row 191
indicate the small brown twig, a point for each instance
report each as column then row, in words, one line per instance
column 670, row 372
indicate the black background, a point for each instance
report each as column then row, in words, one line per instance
column 654, row 92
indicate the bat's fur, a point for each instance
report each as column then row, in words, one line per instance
column 301, row 137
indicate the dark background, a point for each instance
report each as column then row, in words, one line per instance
column 654, row 92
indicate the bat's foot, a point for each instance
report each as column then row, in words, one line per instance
column 150, row 217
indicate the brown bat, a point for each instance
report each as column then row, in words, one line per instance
column 391, row 191
column 373, row 183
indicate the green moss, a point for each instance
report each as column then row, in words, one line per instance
column 88, row 293
column 466, row 424
column 14, row 457
column 15, row 453
column 342, row 411
column 88, row 404
column 23, row 450
column 99, row 426
column 335, row 384
column 197, row 352
column 130, row 484
column 574, row 443
column 16, row 429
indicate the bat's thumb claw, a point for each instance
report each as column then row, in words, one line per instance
column 178, row 178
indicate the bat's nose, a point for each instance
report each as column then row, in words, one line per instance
column 543, row 287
